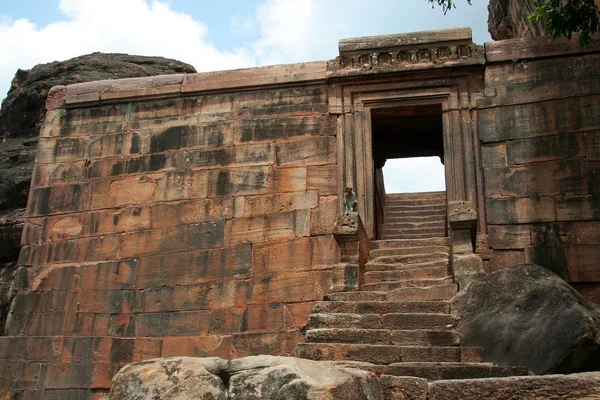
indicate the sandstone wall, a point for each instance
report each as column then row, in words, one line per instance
column 199, row 224
column 540, row 137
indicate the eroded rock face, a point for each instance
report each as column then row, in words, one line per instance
column 259, row 377
column 527, row 315
column 507, row 19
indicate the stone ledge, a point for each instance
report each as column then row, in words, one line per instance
column 115, row 90
column 537, row 47
column 408, row 40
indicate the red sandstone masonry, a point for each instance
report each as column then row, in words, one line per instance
column 192, row 215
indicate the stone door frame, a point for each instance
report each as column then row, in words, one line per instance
column 457, row 95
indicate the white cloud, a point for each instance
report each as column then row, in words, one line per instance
column 112, row 26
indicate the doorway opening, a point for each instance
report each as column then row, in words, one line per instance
column 408, row 157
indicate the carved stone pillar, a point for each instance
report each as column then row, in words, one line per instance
column 352, row 239
column 467, row 266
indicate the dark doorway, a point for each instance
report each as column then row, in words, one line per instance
column 405, row 132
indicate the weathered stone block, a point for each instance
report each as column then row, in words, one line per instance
column 78, row 250
column 197, row 346
column 538, row 119
column 279, row 128
column 500, row 259
column 312, row 151
column 207, row 296
column 57, row 150
column 520, row 210
column 323, row 218
column 509, row 236
column 236, row 182
column 291, row 287
column 545, row 148
column 493, row 155
column 200, row 266
column 270, row 259
column 548, row 178
column 289, row 180
column 187, row 323
column 272, row 343
column 582, row 261
column 276, row 203
column 298, row 100
column 592, row 145
column 192, row 136
column 175, row 239
column 574, row 208
column 268, row 227
column 118, row 144
column 191, row 212
column 59, row 199
column 264, row 317
column 50, row 174
column 323, row 178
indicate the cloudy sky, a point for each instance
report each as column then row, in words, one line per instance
column 212, row 34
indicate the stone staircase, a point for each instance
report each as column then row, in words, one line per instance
column 414, row 215
column 399, row 323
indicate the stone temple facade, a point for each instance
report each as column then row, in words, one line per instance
column 201, row 214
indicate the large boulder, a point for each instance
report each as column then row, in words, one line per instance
column 258, row 377
column 507, row 19
column 527, row 315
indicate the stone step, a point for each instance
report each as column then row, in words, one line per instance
column 417, row 258
column 425, row 337
column 356, row 296
column 420, row 337
column 414, row 225
column 408, row 283
column 389, row 236
column 433, row 371
column 401, row 243
column 372, row 266
column 417, row 195
column 440, row 292
column 404, row 274
column 379, row 354
column 432, row 232
column 411, row 219
column 356, row 336
column 380, row 307
column 417, row 212
column 435, row 201
column 408, row 250
column 406, row 321
column 339, row 320
column 410, row 209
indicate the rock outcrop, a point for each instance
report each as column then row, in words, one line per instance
column 286, row 378
column 527, row 315
column 507, row 19
column 258, row 377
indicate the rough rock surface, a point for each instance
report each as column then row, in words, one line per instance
column 575, row 386
column 258, row 377
column 507, row 19
column 527, row 315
